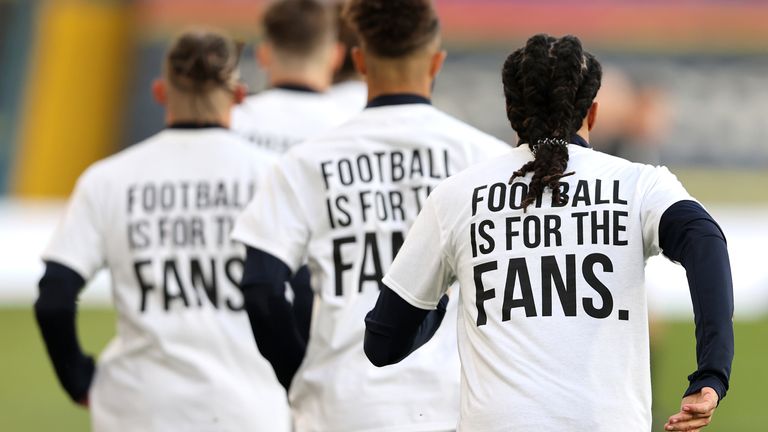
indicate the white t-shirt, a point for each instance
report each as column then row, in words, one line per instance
column 350, row 96
column 553, row 329
column 277, row 119
column 158, row 216
column 345, row 201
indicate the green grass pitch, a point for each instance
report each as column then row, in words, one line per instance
column 31, row 400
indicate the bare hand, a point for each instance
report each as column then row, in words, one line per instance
column 695, row 411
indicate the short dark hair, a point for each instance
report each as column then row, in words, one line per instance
column 393, row 28
column 298, row 27
column 201, row 59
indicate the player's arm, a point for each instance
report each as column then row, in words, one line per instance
column 274, row 325
column 303, row 300
column 394, row 328
column 690, row 236
column 412, row 302
column 56, row 310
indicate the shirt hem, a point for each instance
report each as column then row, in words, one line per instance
column 408, row 297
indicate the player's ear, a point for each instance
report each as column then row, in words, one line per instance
column 592, row 115
column 160, row 91
column 239, row 92
column 339, row 51
column 358, row 58
column 264, row 55
column 436, row 63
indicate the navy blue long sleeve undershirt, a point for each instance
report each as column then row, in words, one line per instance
column 55, row 310
column 690, row 236
column 394, row 328
column 276, row 329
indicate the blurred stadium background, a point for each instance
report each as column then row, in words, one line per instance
column 686, row 85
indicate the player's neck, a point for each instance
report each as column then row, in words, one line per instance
column 171, row 119
column 315, row 79
column 376, row 89
column 584, row 131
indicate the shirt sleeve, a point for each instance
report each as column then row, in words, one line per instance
column 274, row 221
column 420, row 273
column 78, row 242
column 663, row 191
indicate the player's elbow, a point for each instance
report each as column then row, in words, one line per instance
column 378, row 350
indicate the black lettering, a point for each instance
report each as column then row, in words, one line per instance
column 148, row 198
column 364, row 204
column 552, row 229
column 579, row 216
column 490, row 243
column 416, row 165
column 364, row 161
column 396, row 200
column 445, row 161
column 431, row 159
column 347, row 179
column 138, row 235
column 397, row 242
column 476, row 198
column 619, row 228
column 170, row 270
column 326, row 174
column 598, row 198
column 220, row 198
column 370, row 245
column 518, row 269
column 144, row 285
column 563, row 196
column 348, row 218
column 616, row 198
column 233, row 270
column 601, row 228
column 581, row 193
column 500, row 190
column 531, row 225
column 511, row 233
column 199, row 283
column 517, row 191
column 398, row 171
column 566, row 289
column 339, row 266
column 167, row 196
column 588, row 271
column 481, row 294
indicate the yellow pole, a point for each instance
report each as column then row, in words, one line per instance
column 74, row 97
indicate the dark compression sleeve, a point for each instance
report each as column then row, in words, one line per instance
column 303, row 299
column 394, row 328
column 689, row 235
column 271, row 315
column 55, row 310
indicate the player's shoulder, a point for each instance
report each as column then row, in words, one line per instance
column 463, row 130
column 599, row 160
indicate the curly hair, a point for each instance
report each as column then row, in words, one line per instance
column 549, row 86
column 393, row 28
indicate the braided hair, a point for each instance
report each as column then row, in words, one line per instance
column 549, row 86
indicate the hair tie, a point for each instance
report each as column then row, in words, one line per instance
column 548, row 141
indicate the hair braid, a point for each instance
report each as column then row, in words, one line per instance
column 549, row 86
